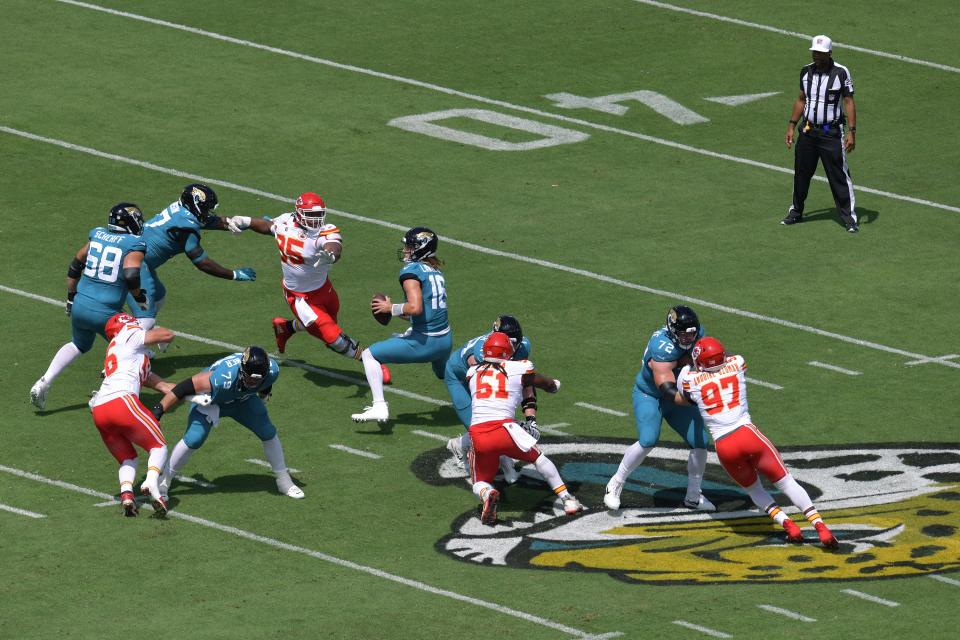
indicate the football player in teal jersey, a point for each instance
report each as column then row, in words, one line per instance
column 429, row 338
column 99, row 278
column 176, row 230
column 653, row 392
column 455, row 377
column 235, row 386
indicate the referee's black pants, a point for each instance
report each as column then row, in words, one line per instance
column 827, row 147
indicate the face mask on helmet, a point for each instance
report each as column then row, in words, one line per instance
column 497, row 347
column 708, row 354
column 254, row 366
column 683, row 326
column 126, row 216
column 419, row 244
column 200, row 200
column 116, row 323
column 311, row 211
column 510, row 326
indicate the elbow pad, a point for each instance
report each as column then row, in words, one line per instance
column 75, row 270
column 184, row 388
column 668, row 389
column 131, row 276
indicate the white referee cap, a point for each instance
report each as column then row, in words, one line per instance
column 821, row 43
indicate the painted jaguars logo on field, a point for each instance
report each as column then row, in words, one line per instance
column 895, row 510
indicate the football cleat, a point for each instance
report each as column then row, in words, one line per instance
column 286, row 486
column 510, row 474
column 282, row 333
column 379, row 412
column 489, row 513
column 571, row 506
column 453, row 446
column 701, row 504
column 793, row 531
column 38, row 393
column 611, row 496
column 387, row 378
column 164, row 482
column 153, row 490
column 827, row 538
column 128, row 504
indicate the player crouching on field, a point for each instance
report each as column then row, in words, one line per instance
column 718, row 387
column 120, row 416
column 497, row 387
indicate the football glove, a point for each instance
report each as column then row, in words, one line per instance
column 324, row 257
column 530, row 426
column 201, row 399
column 245, row 274
column 266, row 394
column 142, row 301
column 157, row 411
column 70, row 296
column 237, row 224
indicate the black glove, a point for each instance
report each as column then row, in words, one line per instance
column 70, row 296
column 265, row 394
column 530, row 426
column 157, row 411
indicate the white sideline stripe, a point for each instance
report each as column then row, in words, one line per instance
column 264, row 463
column 824, row 365
column 491, row 101
column 415, row 584
column 696, row 627
column 427, row 434
column 467, row 245
column 612, row 412
column 199, row 483
column 755, row 25
column 236, row 347
column 761, row 383
column 356, row 452
column 22, row 512
column 867, row 596
column 786, row 612
column 945, row 579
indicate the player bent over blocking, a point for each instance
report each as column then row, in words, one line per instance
column 718, row 387
column 237, row 386
column 121, row 418
column 498, row 386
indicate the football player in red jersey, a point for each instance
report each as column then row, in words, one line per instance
column 309, row 247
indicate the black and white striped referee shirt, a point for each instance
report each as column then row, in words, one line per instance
column 823, row 90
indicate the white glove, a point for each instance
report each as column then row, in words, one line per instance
column 201, row 399
column 556, row 386
column 324, row 257
column 237, row 224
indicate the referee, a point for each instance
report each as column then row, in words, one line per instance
column 822, row 85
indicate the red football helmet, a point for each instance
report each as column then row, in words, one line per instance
column 497, row 347
column 311, row 211
column 116, row 323
column 708, row 354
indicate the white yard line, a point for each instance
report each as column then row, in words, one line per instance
column 673, row 296
column 945, row 579
column 427, row 434
column 593, row 407
column 283, row 546
column 489, row 101
column 761, row 383
column 696, row 627
column 755, row 25
column 554, row 429
column 20, row 512
column 949, row 356
column 199, row 483
column 831, row 367
column 356, row 452
column 786, row 612
column 264, row 463
column 867, row 596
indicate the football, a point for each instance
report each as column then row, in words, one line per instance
column 382, row 318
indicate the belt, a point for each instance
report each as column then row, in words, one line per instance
column 821, row 127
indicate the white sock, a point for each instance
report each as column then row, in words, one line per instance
column 67, row 354
column 480, row 489
column 797, row 494
column 632, row 458
column 371, row 367
column 158, row 457
column 128, row 471
column 549, row 472
column 465, row 443
column 180, row 456
column 274, row 452
column 696, row 465
column 297, row 325
column 765, row 502
column 506, row 463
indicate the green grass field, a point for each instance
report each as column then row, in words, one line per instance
column 588, row 242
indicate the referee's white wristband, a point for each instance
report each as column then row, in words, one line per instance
column 396, row 310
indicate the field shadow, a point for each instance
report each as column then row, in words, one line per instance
column 864, row 216
column 167, row 365
column 235, row 483
column 42, row 413
column 439, row 418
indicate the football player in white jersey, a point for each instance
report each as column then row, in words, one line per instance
column 121, row 418
column 718, row 387
column 497, row 389
column 309, row 247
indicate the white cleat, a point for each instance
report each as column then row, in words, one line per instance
column 163, row 346
column 510, row 473
column 611, row 497
column 286, row 486
column 571, row 506
column 164, row 484
column 152, row 489
column 702, row 504
column 377, row 412
column 453, row 446
column 38, row 393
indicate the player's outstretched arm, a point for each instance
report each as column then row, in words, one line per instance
column 198, row 383
column 74, row 272
column 664, row 379
column 550, row 385
column 237, row 224
column 154, row 381
column 158, row 335
column 212, row 267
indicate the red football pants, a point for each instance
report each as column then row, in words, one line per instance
column 745, row 452
column 124, row 422
column 317, row 310
column 490, row 441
